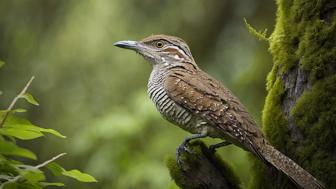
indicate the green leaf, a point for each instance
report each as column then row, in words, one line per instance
column 8, row 148
column 30, row 99
column 19, row 110
column 33, row 176
column 28, row 130
column 8, row 168
column 12, row 119
column 51, row 184
column 20, row 134
column 76, row 174
column 51, row 131
column 14, row 162
column 57, row 170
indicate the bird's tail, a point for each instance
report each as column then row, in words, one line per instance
column 296, row 173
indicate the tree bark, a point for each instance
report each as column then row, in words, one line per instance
column 299, row 116
column 201, row 169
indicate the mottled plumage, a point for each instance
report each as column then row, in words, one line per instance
column 201, row 105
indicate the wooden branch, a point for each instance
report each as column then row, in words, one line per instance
column 12, row 104
column 49, row 161
column 202, row 169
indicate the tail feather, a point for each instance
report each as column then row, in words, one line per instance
column 295, row 172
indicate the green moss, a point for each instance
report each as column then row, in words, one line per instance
column 175, row 171
column 304, row 38
column 314, row 115
column 191, row 160
column 276, row 125
column 261, row 35
column 301, row 36
column 271, row 78
column 317, row 48
column 258, row 179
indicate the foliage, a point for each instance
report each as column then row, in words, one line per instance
column 15, row 173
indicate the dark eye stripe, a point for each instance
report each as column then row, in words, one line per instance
column 184, row 50
column 175, row 51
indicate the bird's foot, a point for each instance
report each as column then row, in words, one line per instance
column 182, row 148
column 212, row 148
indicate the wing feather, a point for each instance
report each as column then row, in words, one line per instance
column 201, row 94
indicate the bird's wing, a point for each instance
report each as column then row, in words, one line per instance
column 206, row 97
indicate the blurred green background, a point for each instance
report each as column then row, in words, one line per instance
column 95, row 93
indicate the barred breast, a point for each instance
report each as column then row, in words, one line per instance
column 171, row 111
column 167, row 107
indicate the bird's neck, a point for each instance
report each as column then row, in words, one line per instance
column 160, row 71
column 158, row 74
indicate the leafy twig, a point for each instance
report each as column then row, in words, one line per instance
column 49, row 161
column 15, row 179
column 12, row 104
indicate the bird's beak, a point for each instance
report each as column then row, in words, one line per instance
column 132, row 45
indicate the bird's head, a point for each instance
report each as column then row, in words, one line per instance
column 160, row 49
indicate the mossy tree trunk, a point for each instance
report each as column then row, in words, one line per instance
column 299, row 116
column 202, row 169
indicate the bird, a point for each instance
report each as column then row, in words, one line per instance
column 199, row 104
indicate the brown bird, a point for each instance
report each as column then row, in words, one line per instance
column 191, row 99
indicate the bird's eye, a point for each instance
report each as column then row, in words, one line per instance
column 159, row 44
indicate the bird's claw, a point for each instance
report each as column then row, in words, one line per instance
column 179, row 150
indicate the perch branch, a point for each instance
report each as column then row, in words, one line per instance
column 202, row 169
